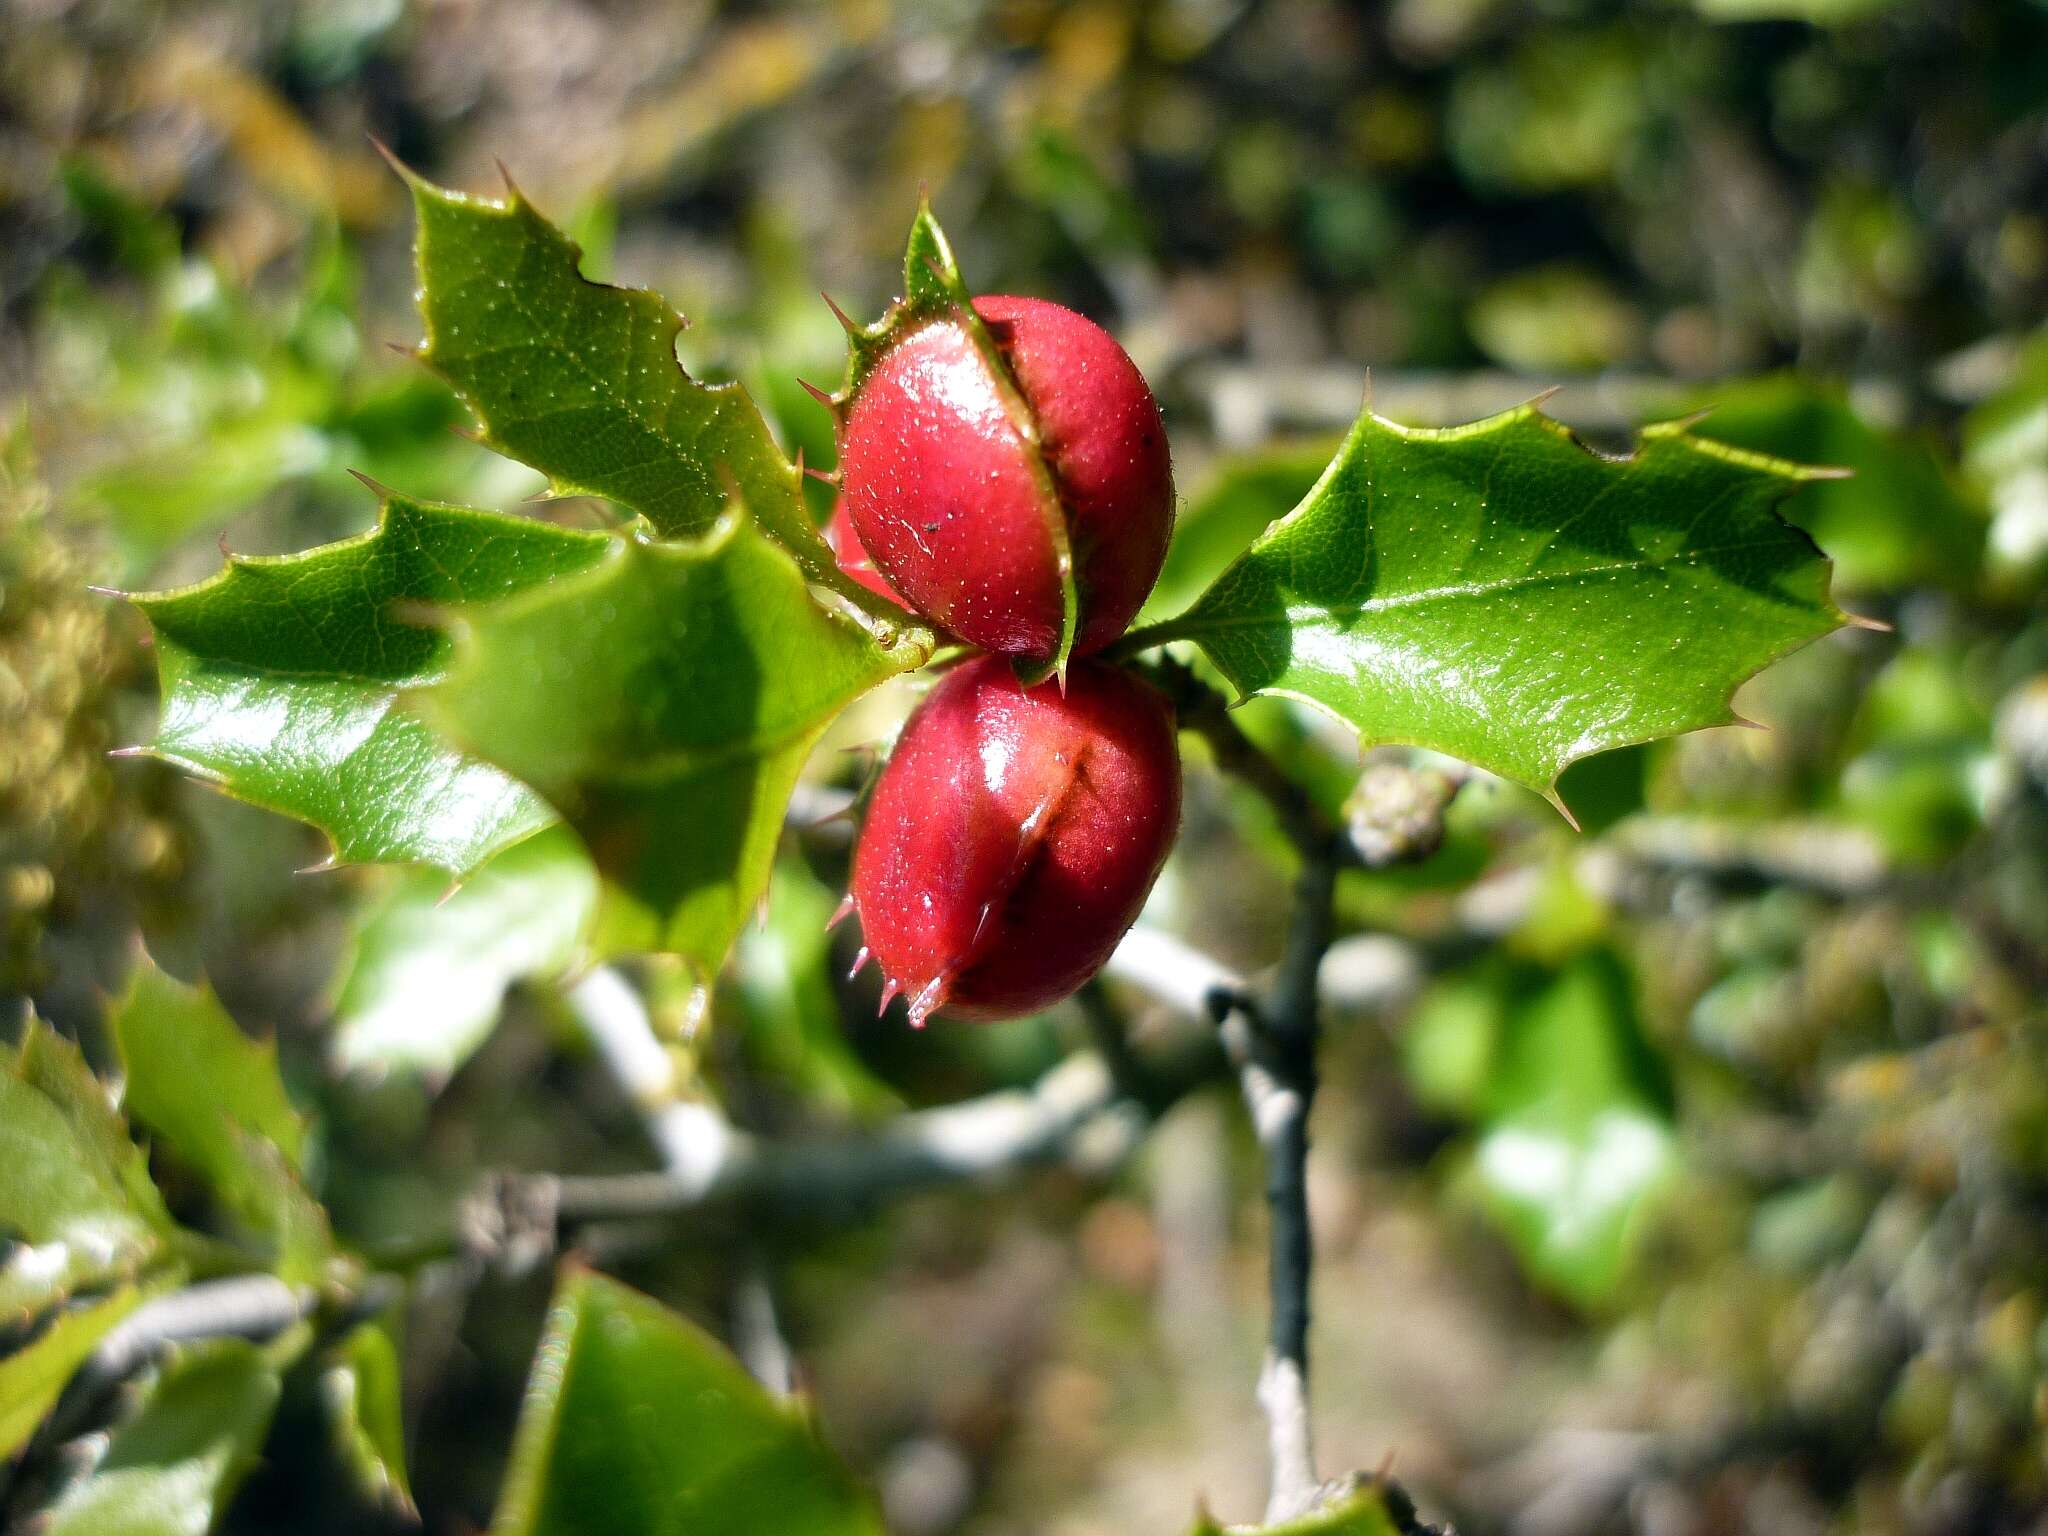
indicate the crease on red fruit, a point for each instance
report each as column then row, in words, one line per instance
column 945, row 490
column 1013, row 837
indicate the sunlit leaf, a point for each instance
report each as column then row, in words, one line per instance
column 1499, row 593
column 427, row 969
column 171, row 1470
column 638, row 1424
column 665, row 699
column 1896, row 520
column 32, row 1377
column 213, row 1097
column 580, row 380
column 75, row 1193
column 281, row 676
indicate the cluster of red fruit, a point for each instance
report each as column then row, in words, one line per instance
column 1015, row 832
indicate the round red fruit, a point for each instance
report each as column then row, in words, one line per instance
column 959, row 502
column 1012, row 838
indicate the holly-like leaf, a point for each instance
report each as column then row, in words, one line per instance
column 934, row 291
column 214, row 1098
column 280, row 678
column 171, row 1470
column 427, row 970
column 1897, row 521
column 1499, row 593
column 665, row 699
column 33, row 1376
column 636, row 1423
column 580, row 380
column 75, row 1192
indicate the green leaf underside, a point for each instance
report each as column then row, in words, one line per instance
column 427, row 970
column 171, row 1470
column 580, row 380
column 33, row 1376
column 214, row 1098
column 76, row 1196
column 281, row 678
column 1501, row 594
column 636, row 1423
column 933, row 289
column 665, row 699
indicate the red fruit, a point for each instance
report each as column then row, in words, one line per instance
column 958, row 507
column 1012, row 839
column 851, row 558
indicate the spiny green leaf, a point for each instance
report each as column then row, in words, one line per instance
column 215, row 1099
column 75, row 1192
column 32, row 1377
column 1499, row 593
column 666, row 699
column 638, row 1424
column 580, row 380
column 427, row 970
column 280, row 676
column 171, row 1470
column 933, row 290
column 1898, row 520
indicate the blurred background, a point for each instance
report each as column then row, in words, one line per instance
column 1687, row 1176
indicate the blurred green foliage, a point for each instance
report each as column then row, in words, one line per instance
column 1732, row 1118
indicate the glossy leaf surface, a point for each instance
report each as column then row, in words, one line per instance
column 281, row 679
column 666, row 699
column 637, row 1423
column 1499, row 593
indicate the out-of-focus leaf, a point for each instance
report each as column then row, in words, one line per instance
column 580, row 380
column 1242, row 496
column 1556, row 319
column 665, row 700
column 1822, row 13
column 361, row 1384
column 782, row 982
column 1577, row 1135
column 281, row 677
column 75, row 1192
column 171, row 1470
column 2005, row 449
column 33, row 1375
column 214, row 1098
column 1499, row 593
column 638, row 1424
column 1365, row 1513
column 1564, row 109
column 1896, row 520
column 427, row 969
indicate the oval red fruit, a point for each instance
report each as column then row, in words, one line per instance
column 949, row 495
column 1013, row 836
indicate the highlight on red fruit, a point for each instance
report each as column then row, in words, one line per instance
column 1012, row 838
column 961, row 505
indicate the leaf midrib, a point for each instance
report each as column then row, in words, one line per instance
column 1194, row 622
